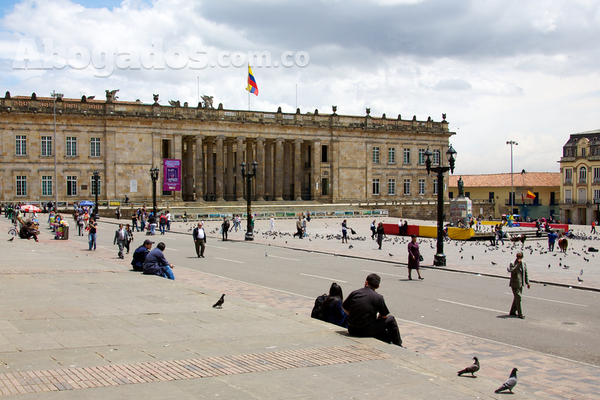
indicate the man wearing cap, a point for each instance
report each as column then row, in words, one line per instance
column 157, row 264
column 199, row 239
column 139, row 255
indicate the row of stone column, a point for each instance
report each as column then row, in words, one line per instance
column 212, row 164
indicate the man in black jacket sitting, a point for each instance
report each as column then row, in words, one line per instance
column 139, row 255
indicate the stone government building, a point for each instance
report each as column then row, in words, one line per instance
column 312, row 156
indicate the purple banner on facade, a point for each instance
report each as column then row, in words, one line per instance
column 172, row 175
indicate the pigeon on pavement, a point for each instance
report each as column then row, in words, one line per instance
column 11, row 239
column 219, row 302
column 471, row 369
column 510, row 383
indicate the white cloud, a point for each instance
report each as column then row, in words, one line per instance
column 500, row 70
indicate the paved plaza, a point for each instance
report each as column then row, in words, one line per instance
column 80, row 324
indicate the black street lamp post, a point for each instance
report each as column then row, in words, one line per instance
column 440, row 258
column 154, row 176
column 96, row 176
column 248, row 176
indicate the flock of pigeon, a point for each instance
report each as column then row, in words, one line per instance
column 534, row 246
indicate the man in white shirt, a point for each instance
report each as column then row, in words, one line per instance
column 199, row 236
column 168, row 220
column 120, row 239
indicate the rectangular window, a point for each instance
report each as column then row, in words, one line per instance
column 568, row 196
column 596, row 194
column 596, row 175
column 21, row 185
column 375, row 155
column 583, row 152
column 325, row 186
column 391, row 155
column 93, row 186
column 435, row 186
column 406, row 156
column 376, row 187
column 21, row 145
column 71, row 186
column 421, row 186
column 568, row 175
column 46, row 146
column 407, row 187
column 324, row 153
column 421, row 156
column 47, row 185
column 71, row 146
column 436, row 157
column 391, row 187
column 166, row 148
column 94, row 147
column 491, row 197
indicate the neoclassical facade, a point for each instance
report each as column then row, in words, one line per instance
column 311, row 156
column 580, row 178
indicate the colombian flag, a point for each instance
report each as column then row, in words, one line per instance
column 252, row 87
column 530, row 195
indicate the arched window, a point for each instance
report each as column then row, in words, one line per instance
column 583, row 175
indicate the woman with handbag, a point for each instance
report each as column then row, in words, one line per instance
column 414, row 258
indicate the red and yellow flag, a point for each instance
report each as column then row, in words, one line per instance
column 530, row 195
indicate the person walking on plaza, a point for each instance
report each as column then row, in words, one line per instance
column 169, row 217
column 80, row 224
column 368, row 315
column 373, row 230
column 162, row 223
column 299, row 229
column 118, row 213
column 344, row 232
column 92, row 229
column 518, row 279
column 199, row 239
column 134, row 221
column 414, row 257
column 380, row 234
column 157, row 264
column 142, row 217
column 272, row 224
column 120, row 238
column 139, row 255
column 551, row 240
column 593, row 227
column 152, row 223
column 304, row 234
column 129, row 237
column 224, row 228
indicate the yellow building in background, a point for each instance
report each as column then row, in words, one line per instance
column 496, row 188
column 580, row 178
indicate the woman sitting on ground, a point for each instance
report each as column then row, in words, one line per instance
column 332, row 307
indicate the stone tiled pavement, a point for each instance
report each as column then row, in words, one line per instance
column 80, row 330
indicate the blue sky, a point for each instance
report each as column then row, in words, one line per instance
column 500, row 69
